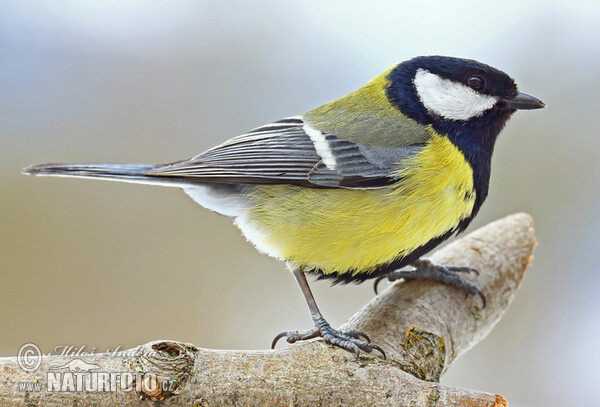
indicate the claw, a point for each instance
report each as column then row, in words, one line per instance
column 358, row 335
column 475, row 290
column 376, row 283
column 481, row 296
column 295, row 336
column 277, row 338
column 483, row 299
column 378, row 348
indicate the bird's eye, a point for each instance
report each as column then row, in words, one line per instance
column 476, row 82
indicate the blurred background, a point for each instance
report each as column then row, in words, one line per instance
column 106, row 265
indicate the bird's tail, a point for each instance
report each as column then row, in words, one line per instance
column 135, row 173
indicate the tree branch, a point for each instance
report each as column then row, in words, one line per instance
column 422, row 326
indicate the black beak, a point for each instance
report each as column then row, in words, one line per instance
column 523, row 101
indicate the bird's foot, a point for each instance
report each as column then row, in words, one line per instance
column 351, row 340
column 426, row 270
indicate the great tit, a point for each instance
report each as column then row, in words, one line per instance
column 358, row 188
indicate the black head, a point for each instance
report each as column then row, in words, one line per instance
column 465, row 100
column 437, row 88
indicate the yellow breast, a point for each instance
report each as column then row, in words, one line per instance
column 343, row 230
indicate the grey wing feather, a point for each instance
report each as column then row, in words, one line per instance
column 276, row 153
column 361, row 166
column 283, row 153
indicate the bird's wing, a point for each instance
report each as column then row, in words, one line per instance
column 290, row 151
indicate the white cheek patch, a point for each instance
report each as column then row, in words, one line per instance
column 449, row 99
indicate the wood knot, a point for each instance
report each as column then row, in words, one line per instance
column 166, row 365
column 424, row 354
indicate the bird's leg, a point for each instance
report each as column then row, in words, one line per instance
column 426, row 270
column 350, row 340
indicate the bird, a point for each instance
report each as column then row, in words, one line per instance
column 360, row 188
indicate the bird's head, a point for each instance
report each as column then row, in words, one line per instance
column 434, row 89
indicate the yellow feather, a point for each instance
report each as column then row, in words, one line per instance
column 342, row 230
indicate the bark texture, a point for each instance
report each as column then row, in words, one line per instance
column 422, row 326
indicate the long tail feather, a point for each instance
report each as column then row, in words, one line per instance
column 135, row 173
